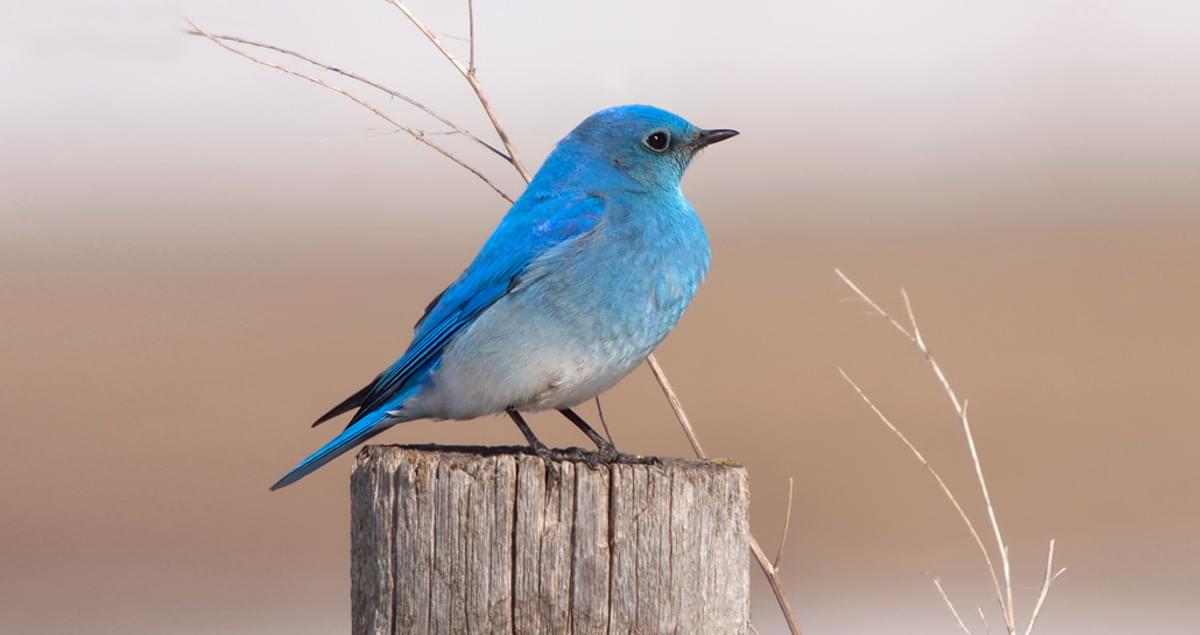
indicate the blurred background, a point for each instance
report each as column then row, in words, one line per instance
column 199, row 255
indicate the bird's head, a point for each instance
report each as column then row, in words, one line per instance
column 648, row 144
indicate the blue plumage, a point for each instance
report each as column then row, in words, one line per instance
column 585, row 275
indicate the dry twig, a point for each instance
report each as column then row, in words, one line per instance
column 776, row 584
column 1046, row 582
column 603, row 421
column 950, row 605
column 363, row 80
column 676, row 405
column 987, row 558
column 769, row 569
column 471, row 36
column 1003, row 595
column 468, row 73
column 961, row 409
column 787, row 524
column 419, row 135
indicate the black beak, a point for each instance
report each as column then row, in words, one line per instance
column 709, row 137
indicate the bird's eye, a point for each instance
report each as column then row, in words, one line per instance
column 657, row 140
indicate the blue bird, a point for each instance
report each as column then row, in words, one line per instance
column 590, row 269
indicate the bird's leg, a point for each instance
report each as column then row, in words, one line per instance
column 539, row 448
column 607, row 449
column 535, row 444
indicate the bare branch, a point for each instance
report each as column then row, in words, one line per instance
column 1006, row 600
column 769, row 570
column 413, row 132
column 938, row 583
column 373, row 84
column 676, row 406
column 471, row 36
column 776, row 584
column 987, row 558
column 787, row 523
column 960, row 408
column 878, row 310
column 469, row 74
column 1049, row 579
column 603, row 422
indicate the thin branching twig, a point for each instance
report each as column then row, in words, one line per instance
column 914, row 336
column 1051, row 576
column 764, row 562
column 769, row 569
column 776, row 584
column 419, row 135
column 987, row 558
column 950, row 605
column 359, row 78
column 468, row 73
column 676, row 405
column 1003, row 595
column 961, row 409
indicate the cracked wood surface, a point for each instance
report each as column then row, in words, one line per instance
column 490, row 540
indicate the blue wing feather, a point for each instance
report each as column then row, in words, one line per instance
column 533, row 226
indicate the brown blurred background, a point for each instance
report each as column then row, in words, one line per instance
column 199, row 255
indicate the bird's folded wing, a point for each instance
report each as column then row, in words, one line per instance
column 534, row 226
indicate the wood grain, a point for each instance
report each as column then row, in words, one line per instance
column 491, row 540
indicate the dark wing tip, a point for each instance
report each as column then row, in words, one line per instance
column 348, row 404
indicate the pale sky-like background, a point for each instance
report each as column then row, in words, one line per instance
column 198, row 255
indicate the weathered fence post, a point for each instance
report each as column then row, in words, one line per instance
column 458, row 540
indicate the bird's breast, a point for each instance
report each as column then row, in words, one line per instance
column 632, row 285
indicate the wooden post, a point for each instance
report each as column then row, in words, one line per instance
column 489, row 540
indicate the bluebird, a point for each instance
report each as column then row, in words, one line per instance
column 587, row 272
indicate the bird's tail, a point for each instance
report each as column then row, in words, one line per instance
column 359, row 431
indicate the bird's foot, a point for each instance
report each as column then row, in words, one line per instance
column 542, row 452
column 608, row 452
column 549, row 459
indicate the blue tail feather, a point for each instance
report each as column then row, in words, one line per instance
column 362, row 430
